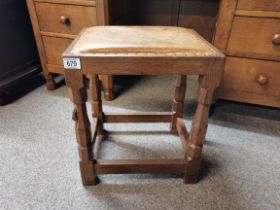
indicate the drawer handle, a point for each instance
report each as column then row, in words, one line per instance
column 276, row 39
column 65, row 20
column 262, row 79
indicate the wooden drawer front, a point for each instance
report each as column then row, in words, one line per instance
column 259, row 5
column 68, row 19
column 251, row 75
column 54, row 48
column 253, row 37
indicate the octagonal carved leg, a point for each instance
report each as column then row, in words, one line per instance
column 207, row 85
column 178, row 102
column 78, row 94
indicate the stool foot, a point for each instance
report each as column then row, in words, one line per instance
column 192, row 171
column 87, row 173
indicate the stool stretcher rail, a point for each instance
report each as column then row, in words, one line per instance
column 140, row 166
column 137, row 117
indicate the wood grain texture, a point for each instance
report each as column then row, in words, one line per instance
column 103, row 18
column 223, row 25
column 64, row 19
column 78, row 95
column 249, row 29
column 248, row 97
column 137, row 117
column 107, row 82
column 178, row 102
column 144, row 66
column 95, row 125
column 207, row 85
column 199, row 15
column 252, row 38
column 157, row 12
column 265, row 14
column 58, row 69
column 96, row 101
column 249, row 75
column 42, row 54
column 140, row 166
column 259, row 5
column 198, row 131
column 70, row 2
column 49, row 17
column 102, row 12
column 59, row 35
column 54, row 47
column 183, row 134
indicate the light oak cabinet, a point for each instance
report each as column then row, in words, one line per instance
column 56, row 23
column 248, row 32
column 66, row 19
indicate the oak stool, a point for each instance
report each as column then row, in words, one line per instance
column 141, row 50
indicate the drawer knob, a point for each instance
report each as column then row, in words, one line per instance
column 276, row 39
column 65, row 20
column 262, row 79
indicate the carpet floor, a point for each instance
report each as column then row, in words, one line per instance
column 39, row 161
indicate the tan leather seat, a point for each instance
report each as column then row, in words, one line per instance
column 144, row 41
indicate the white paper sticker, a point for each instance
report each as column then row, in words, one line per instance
column 72, row 63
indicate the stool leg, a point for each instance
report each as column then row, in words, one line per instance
column 107, row 82
column 197, row 135
column 96, row 101
column 178, row 102
column 76, row 83
column 207, row 84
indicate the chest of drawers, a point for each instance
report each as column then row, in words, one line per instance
column 248, row 31
column 56, row 23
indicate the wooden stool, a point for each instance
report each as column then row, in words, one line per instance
column 136, row 50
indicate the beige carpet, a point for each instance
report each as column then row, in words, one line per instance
column 39, row 162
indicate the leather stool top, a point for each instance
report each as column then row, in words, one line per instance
column 141, row 41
